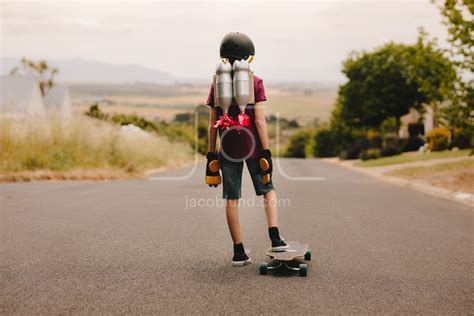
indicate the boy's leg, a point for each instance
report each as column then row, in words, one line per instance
column 233, row 221
column 271, row 210
column 265, row 189
column 232, row 182
column 270, row 199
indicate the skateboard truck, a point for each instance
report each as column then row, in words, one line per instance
column 302, row 268
column 295, row 252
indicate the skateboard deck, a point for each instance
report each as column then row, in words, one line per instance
column 286, row 259
column 295, row 251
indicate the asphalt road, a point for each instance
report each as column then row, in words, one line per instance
column 142, row 247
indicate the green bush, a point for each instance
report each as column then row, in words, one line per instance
column 390, row 125
column 415, row 129
column 391, row 145
column 293, row 124
column 412, row 143
column 375, row 138
column 356, row 143
column 371, row 153
column 283, row 122
column 326, row 143
column 123, row 119
column 390, row 140
column 355, row 150
column 343, row 143
column 184, row 117
column 298, row 143
column 461, row 139
column 390, row 150
column 439, row 139
column 95, row 112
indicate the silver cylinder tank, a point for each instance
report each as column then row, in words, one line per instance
column 242, row 83
column 224, row 85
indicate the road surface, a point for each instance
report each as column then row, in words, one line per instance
column 147, row 247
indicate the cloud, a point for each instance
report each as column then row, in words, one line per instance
column 293, row 39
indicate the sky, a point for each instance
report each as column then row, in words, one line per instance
column 294, row 41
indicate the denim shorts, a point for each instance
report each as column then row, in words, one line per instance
column 232, row 178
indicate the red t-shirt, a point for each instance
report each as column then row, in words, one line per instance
column 238, row 144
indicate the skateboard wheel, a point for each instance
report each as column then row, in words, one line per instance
column 307, row 255
column 303, row 269
column 263, row 268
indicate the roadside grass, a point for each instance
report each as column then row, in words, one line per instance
column 83, row 144
column 467, row 164
column 455, row 176
column 413, row 157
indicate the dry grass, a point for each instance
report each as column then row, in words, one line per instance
column 413, row 157
column 291, row 105
column 302, row 107
column 170, row 101
column 76, row 174
column 82, row 148
column 456, row 176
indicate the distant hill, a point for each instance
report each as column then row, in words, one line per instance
column 80, row 70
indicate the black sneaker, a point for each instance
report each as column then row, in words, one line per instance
column 279, row 245
column 240, row 259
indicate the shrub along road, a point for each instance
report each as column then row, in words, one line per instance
column 142, row 247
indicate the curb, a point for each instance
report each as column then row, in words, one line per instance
column 150, row 172
column 421, row 186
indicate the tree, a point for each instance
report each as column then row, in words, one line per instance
column 389, row 81
column 459, row 19
column 40, row 70
column 434, row 72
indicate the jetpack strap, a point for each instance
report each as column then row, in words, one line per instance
column 214, row 77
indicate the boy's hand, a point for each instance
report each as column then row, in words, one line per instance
column 213, row 177
column 266, row 165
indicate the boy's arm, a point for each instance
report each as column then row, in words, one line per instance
column 265, row 161
column 213, row 178
column 261, row 125
column 212, row 130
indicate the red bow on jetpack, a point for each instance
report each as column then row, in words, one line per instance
column 243, row 119
column 225, row 121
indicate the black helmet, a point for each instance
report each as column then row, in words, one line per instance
column 237, row 46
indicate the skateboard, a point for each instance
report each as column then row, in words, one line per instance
column 296, row 252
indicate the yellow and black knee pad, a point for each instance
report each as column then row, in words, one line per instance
column 266, row 165
column 213, row 178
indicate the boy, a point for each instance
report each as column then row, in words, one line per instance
column 249, row 144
